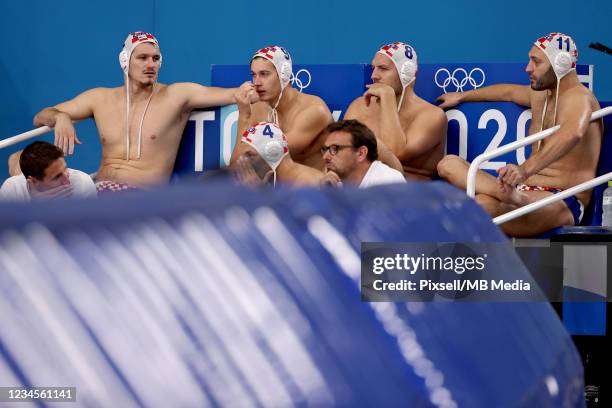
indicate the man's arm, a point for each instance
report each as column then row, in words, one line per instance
column 574, row 118
column 426, row 132
column 307, row 125
column 245, row 97
column 60, row 118
column 518, row 94
column 386, row 156
column 390, row 128
column 199, row 96
column 299, row 175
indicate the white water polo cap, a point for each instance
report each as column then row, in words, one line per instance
column 281, row 60
column 131, row 42
column 561, row 51
column 405, row 59
column 269, row 141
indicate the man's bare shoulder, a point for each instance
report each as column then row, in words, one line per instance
column 421, row 109
column 358, row 103
column 313, row 106
column 357, row 109
column 101, row 92
column 580, row 91
column 312, row 101
column 577, row 99
column 96, row 97
column 181, row 87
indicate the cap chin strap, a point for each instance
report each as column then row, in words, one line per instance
column 273, row 113
column 274, row 170
column 274, row 167
column 555, row 111
column 127, row 120
column 399, row 105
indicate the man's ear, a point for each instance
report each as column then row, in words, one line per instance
column 32, row 181
column 363, row 153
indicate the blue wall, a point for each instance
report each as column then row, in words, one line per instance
column 50, row 51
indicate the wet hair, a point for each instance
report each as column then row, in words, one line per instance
column 361, row 135
column 36, row 157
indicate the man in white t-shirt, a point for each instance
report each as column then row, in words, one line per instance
column 45, row 176
column 350, row 156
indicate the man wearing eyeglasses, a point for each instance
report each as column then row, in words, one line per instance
column 350, row 156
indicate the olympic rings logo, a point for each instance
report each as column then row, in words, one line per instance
column 459, row 78
column 301, row 79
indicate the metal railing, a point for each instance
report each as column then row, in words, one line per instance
column 551, row 199
column 9, row 141
column 30, row 134
column 474, row 166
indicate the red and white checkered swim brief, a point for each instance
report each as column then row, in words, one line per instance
column 525, row 187
column 108, row 186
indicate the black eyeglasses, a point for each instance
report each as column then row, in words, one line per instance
column 334, row 149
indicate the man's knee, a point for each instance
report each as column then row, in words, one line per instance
column 448, row 165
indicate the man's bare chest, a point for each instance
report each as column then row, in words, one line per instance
column 152, row 122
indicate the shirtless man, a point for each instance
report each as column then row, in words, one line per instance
column 561, row 161
column 270, row 97
column 413, row 129
column 139, row 130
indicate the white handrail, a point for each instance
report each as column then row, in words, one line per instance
column 473, row 170
column 551, row 199
column 9, row 141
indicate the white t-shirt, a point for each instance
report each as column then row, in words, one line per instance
column 379, row 173
column 16, row 188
